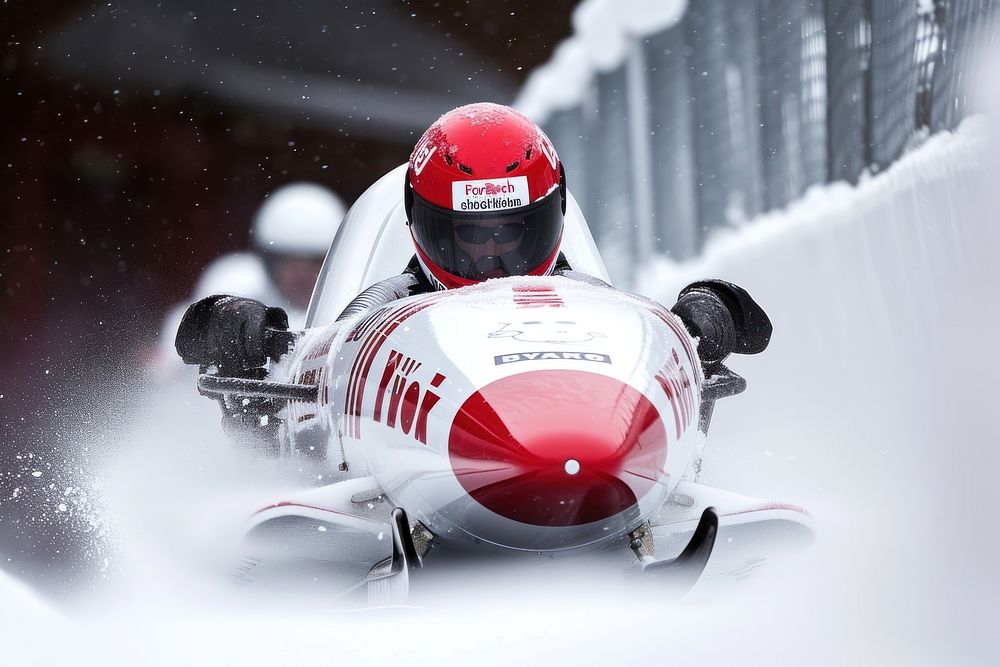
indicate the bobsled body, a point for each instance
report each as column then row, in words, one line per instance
column 524, row 416
column 527, row 413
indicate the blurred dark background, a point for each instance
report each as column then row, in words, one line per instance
column 139, row 138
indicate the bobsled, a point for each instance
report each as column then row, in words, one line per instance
column 523, row 418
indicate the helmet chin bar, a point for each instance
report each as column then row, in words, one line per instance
column 478, row 245
column 442, row 280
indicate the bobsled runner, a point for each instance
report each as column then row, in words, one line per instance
column 524, row 417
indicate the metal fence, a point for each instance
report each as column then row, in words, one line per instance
column 739, row 107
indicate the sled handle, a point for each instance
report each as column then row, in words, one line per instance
column 215, row 385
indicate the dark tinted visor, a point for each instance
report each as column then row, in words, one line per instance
column 491, row 244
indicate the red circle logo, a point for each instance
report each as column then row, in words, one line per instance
column 557, row 447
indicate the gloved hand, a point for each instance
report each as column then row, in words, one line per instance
column 233, row 333
column 724, row 318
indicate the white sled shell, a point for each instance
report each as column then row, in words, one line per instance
column 393, row 381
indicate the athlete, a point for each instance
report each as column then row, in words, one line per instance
column 485, row 197
column 290, row 234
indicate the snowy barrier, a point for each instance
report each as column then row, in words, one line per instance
column 873, row 405
column 676, row 119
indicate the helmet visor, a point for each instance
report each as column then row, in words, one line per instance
column 491, row 244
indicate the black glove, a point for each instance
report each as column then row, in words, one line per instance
column 724, row 318
column 233, row 333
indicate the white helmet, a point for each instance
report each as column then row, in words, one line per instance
column 240, row 273
column 297, row 219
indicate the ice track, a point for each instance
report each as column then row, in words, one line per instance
column 873, row 407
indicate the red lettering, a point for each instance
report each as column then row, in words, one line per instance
column 405, row 404
column 397, row 393
column 430, row 400
column 409, row 407
column 688, row 396
column 309, row 377
column 668, row 390
column 537, row 297
column 395, row 359
column 488, row 189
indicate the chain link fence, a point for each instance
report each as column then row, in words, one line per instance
column 738, row 108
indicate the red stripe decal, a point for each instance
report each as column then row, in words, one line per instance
column 369, row 351
column 665, row 384
column 361, row 330
column 358, row 375
column 288, row 503
column 366, row 358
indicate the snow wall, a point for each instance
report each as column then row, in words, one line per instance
column 873, row 404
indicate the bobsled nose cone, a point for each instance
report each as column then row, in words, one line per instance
column 557, row 447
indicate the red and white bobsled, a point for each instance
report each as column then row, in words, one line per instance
column 522, row 417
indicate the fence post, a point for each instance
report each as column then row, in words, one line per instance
column 706, row 31
column 894, row 78
column 848, row 30
column 671, row 118
column 641, row 163
column 608, row 164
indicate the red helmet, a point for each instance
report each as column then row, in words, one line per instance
column 485, row 197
